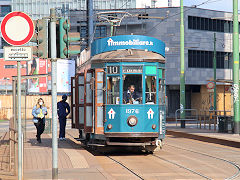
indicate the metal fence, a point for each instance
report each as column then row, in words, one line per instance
column 190, row 115
column 206, row 119
column 209, row 118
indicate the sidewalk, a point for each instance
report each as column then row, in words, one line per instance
column 74, row 162
column 206, row 135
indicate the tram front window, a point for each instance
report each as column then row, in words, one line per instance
column 113, row 90
column 150, row 90
column 132, row 88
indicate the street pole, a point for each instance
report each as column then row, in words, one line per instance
column 54, row 93
column 19, row 121
column 214, row 75
column 236, row 67
column 90, row 21
column 182, row 73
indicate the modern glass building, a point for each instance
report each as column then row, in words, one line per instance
column 40, row 8
column 5, row 8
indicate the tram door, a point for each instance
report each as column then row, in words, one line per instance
column 88, row 102
column 79, row 88
column 162, row 103
column 99, row 107
column 73, row 101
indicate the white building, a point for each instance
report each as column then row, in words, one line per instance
column 157, row 3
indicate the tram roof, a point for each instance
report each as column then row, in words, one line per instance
column 125, row 55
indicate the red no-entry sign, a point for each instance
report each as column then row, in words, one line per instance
column 17, row 28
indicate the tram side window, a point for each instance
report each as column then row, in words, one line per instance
column 113, row 90
column 150, row 90
column 161, row 91
column 132, row 89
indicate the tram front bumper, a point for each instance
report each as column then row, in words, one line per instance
column 137, row 135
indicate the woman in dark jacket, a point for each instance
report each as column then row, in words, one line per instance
column 39, row 112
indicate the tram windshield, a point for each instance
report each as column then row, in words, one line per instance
column 150, row 90
column 113, row 89
column 132, row 89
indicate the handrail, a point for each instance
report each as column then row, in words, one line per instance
column 176, row 117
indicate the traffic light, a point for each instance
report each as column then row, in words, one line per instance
column 41, row 38
column 66, row 40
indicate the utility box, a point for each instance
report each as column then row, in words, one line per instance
column 225, row 124
column 48, row 126
column 221, row 123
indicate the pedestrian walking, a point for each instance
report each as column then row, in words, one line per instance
column 63, row 109
column 39, row 112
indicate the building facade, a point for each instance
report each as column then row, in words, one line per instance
column 157, row 3
column 41, row 8
column 5, row 8
column 200, row 26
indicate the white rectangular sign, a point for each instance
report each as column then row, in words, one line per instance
column 14, row 53
column 65, row 70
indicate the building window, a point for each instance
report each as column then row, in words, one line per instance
column 10, row 66
column 5, row 9
column 101, row 32
column 1, row 55
column 207, row 24
column 204, row 59
column 83, row 31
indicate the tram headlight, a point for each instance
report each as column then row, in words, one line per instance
column 132, row 121
column 109, row 126
column 154, row 126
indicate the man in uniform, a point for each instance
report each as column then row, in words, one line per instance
column 130, row 96
column 62, row 106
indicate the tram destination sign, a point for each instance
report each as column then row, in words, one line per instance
column 14, row 53
column 132, row 69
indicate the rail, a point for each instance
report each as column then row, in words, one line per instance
column 12, row 148
column 189, row 116
column 210, row 117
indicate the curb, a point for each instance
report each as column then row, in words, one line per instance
column 205, row 138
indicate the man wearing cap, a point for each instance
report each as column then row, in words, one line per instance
column 62, row 106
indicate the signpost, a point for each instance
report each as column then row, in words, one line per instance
column 13, row 53
column 17, row 29
column 210, row 86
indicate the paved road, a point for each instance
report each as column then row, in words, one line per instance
column 180, row 158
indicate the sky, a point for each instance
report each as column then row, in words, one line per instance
column 220, row 5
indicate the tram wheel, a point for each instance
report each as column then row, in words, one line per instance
column 150, row 149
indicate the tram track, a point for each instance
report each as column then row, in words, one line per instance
column 235, row 165
column 183, row 167
column 129, row 168
column 125, row 167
